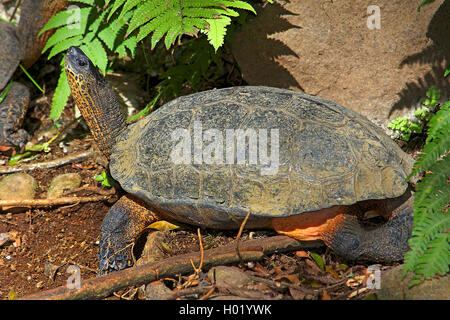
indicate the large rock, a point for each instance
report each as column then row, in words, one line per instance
column 325, row 48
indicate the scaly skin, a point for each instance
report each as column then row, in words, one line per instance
column 339, row 226
column 21, row 44
column 12, row 112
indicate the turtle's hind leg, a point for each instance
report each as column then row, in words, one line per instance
column 122, row 225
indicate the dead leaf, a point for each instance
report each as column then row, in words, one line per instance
column 12, row 295
column 302, row 254
column 292, row 278
column 297, row 294
column 356, row 292
column 333, row 273
column 355, row 281
column 313, row 267
column 325, row 295
column 277, row 270
column 163, row 226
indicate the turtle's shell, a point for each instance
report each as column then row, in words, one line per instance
column 328, row 155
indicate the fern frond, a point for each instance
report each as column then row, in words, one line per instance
column 440, row 123
column 71, row 30
column 430, row 249
column 217, row 30
column 431, row 153
column 130, row 4
column 58, row 20
column 173, row 18
column 60, row 96
column 96, row 53
column 436, row 259
column 117, row 5
column 64, row 45
column 432, row 184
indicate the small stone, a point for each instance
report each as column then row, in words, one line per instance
column 157, row 290
column 228, row 277
column 17, row 186
column 63, row 182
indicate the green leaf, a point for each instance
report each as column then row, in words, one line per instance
column 96, row 52
column 439, row 123
column 3, row 96
column 319, row 261
column 60, row 97
column 240, row 5
column 424, row 2
column 130, row 4
column 116, row 6
column 58, row 20
column 105, row 179
column 64, row 45
column 68, row 31
column 19, row 156
column 217, row 31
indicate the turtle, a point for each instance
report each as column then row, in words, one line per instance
column 21, row 44
column 301, row 165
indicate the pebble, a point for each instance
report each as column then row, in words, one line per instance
column 228, row 277
column 17, row 186
column 63, row 182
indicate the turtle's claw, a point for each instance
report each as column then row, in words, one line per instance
column 114, row 254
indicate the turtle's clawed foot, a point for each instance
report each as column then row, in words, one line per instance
column 114, row 254
column 122, row 225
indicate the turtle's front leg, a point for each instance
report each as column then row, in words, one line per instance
column 122, row 225
column 12, row 114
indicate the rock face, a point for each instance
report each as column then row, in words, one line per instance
column 326, row 48
column 395, row 287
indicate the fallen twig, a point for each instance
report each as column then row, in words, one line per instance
column 47, row 164
column 277, row 285
column 49, row 202
column 103, row 286
column 191, row 291
column 241, row 228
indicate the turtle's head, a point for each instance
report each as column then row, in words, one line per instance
column 80, row 70
column 95, row 98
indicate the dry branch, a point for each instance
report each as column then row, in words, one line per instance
column 50, row 202
column 101, row 287
column 47, row 164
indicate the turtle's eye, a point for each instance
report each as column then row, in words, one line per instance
column 81, row 62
